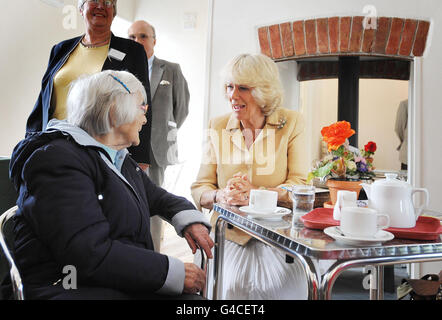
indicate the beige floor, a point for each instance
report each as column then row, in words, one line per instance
column 174, row 245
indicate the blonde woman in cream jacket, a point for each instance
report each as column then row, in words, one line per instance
column 258, row 145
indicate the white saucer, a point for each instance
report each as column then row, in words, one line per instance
column 275, row 215
column 379, row 237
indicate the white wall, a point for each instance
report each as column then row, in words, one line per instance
column 319, row 107
column 29, row 29
column 234, row 31
column 378, row 104
column 179, row 42
column 126, row 9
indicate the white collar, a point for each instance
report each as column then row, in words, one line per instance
column 150, row 61
column 150, row 64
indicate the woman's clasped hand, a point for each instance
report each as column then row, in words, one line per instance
column 237, row 190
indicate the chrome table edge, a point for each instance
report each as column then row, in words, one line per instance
column 319, row 286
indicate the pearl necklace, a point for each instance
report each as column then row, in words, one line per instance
column 96, row 45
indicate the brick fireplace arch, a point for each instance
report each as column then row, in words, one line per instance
column 340, row 36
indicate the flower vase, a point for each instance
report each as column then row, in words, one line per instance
column 335, row 185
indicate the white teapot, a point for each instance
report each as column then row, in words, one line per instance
column 395, row 198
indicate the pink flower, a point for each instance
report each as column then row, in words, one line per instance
column 360, row 159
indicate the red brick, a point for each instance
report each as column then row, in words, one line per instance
column 421, row 38
column 322, row 33
column 368, row 40
column 287, row 42
column 275, row 41
column 407, row 37
column 264, row 44
column 394, row 38
column 381, row 35
column 310, row 36
column 344, row 33
column 299, row 39
column 333, row 33
column 356, row 34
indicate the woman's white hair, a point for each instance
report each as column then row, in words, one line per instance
column 81, row 3
column 97, row 103
column 261, row 74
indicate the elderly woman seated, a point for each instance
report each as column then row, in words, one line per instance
column 85, row 204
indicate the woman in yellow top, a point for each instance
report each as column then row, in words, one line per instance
column 98, row 49
column 258, row 145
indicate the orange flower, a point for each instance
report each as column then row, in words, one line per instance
column 336, row 134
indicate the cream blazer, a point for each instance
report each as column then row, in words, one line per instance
column 276, row 158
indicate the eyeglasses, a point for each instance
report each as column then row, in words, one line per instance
column 141, row 36
column 107, row 3
column 144, row 107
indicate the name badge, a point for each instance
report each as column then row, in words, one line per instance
column 115, row 54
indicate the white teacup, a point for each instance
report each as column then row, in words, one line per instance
column 263, row 200
column 362, row 222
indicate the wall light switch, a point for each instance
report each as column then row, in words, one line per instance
column 189, row 20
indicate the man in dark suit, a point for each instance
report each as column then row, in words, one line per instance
column 170, row 103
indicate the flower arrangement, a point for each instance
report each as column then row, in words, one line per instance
column 343, row 161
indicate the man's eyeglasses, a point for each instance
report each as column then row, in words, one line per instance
column 141, row 36
column 107, row 3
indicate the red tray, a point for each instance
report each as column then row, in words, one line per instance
column 427, row 228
